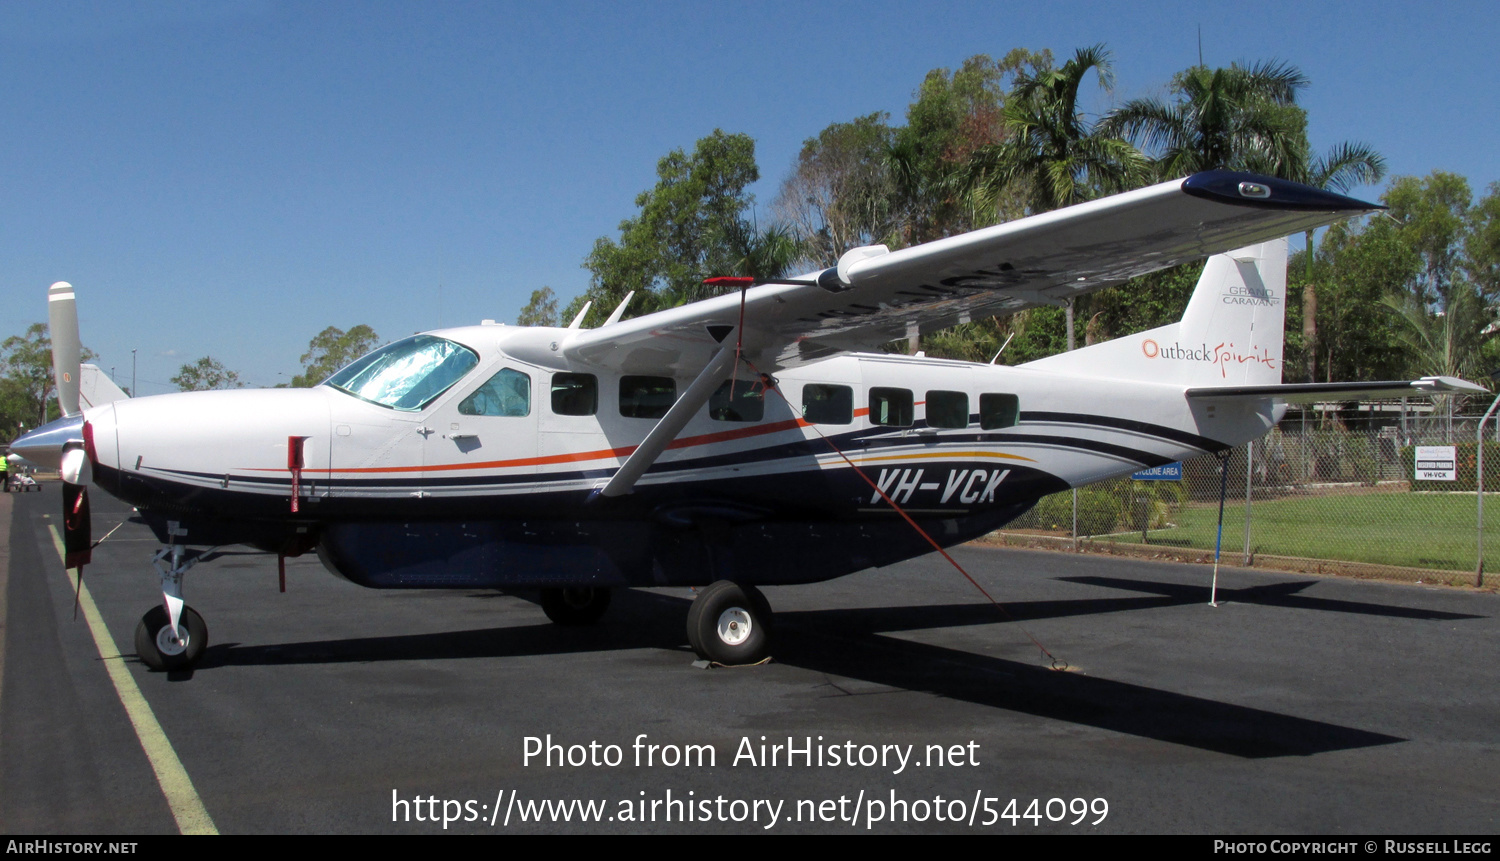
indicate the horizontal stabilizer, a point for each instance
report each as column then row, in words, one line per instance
column 1311, row 393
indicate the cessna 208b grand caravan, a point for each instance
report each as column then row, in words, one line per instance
column 736, row 442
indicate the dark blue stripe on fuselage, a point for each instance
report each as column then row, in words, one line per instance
column 1116, row 423
column 852, row 442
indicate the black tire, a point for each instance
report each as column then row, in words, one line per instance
column 152, row 629
column 730, row 624
column 579, row 605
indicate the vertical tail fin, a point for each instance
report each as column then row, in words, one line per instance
column 1230, row 335
column 95, row 388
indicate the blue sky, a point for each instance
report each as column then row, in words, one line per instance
column 228, row 178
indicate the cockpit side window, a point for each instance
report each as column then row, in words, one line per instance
column 406, row 375
column 507, row 393
column 745, row 403
column 646, row 397
column 827, row 404
column 575, row 394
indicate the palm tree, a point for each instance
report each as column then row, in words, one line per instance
column 1449, row 342
column 1342, row 167
column 1051, row 147
column 1239, row 118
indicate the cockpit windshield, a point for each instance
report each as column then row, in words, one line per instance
column 408, row 374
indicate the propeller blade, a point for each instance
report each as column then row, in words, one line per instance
column 62, row 318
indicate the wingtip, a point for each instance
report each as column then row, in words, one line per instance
column 1249, row 189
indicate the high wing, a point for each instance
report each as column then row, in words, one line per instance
column 873, row 296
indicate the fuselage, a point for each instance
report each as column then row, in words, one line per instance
column 498, row 450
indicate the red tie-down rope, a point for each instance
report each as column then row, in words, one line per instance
column 766, row 382
column 1057, row 663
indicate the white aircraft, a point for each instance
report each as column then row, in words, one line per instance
column 736, row 442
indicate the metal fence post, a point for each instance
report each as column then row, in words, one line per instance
column 1479, row 491
column 1075, row 520
column 1249, row 471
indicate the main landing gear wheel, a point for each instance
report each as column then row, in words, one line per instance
column 581, row 605
column 730, row 624
column 159, row 650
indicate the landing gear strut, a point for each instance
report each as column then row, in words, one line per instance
column 730, row 624
column 171, row 636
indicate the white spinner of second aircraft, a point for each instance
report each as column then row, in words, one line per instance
column 687, row 447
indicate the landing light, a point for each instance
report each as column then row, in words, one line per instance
column 1255, row 190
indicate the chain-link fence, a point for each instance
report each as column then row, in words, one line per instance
column 1324, row 493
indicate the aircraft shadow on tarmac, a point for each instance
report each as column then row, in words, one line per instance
column 851, row 643
column 1269, row 595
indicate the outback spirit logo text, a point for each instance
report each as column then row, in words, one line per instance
column 1222, row 355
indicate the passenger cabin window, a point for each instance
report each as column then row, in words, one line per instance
column 947, row 410
column 646, row 397
column 891, row 407
column 575, row 394
column 507, row 393
column 998, row 411
column 747, row 403
column 408, row 374
column 827, row 404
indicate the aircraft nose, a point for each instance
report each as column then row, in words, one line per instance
column 44, row 446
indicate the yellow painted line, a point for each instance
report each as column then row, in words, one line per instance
column 187, row 808
column 4, row 584
column 951, row 454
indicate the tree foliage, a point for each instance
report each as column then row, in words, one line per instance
column 1482, row 245
column 27, row 360
column 1355, row 268
column 840, row 193
column 1239, row 118
column 1433, row 218
column 29, row 395
column 1340, row 168
column 693, row 224
column 205, row 374
column 1055, row 155
column 954, row 116
column 541, row 310
column 1445, row 313
column 332, row 349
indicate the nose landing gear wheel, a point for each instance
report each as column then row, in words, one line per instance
column 159, row 650
column 582, row 605
column 730, row 624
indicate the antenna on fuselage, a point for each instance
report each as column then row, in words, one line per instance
column 1002, row 348
column 615, row 317
column 583, row 312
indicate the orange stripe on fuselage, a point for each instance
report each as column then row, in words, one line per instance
column 928, row 454
column 625, row 451
column 570, row 457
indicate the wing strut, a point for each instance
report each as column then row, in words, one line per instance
column 671, row 424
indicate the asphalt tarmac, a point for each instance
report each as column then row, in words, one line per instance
column 1296, row 707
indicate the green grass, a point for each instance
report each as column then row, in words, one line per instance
column 1408, row 529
